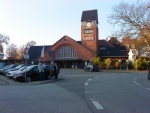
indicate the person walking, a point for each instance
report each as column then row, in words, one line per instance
column 56, row 71
column 41, row 67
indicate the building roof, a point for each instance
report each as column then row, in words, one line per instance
column 35, row 51
column 89, row 15
column 79, row 42
column 108, row 50
column 117, row 44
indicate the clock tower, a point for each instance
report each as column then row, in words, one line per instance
column 89, row 30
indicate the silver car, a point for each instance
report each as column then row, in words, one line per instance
column 11, row 74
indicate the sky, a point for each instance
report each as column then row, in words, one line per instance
column 46, row 21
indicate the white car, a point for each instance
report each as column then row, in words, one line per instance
column 11, row 74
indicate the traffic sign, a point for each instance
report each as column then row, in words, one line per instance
column 26, row 56
column 50, row 53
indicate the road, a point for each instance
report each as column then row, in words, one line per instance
column 80, row 92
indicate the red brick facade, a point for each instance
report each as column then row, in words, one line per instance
column 82, row 52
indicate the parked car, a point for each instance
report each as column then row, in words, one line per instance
column 2, row 65
column 91, row 68
column 32, row 73
column 13, row 69
column 149, row 74
column 3, row 70
column 11, row 74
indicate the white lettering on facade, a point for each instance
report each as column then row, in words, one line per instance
column 88, row 38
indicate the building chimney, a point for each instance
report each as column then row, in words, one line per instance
column 106, row 39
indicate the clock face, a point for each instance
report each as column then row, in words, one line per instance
column 88, row 24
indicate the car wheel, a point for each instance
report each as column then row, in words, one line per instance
column 148, row 76
column 28, row 79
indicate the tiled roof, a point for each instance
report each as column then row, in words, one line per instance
column 35, row 51
column 89, row 15
column 108, row 50
column 113, row 41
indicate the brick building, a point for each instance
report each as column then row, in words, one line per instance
column 67, row 52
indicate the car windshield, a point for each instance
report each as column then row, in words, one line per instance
column 18, row 66
column 6, row 66
column 22, row 68
column 29, row 68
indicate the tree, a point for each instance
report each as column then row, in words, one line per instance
column 29, row 44
column 3, row 40
column 11, row 51
column 133, row 20
column 20, row 52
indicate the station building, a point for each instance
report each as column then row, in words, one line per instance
column 68, row 52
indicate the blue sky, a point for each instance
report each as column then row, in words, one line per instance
column 46, row 21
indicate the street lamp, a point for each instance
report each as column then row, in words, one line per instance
column 120, row 64
column 127, row 64
column 147, row 64
column 136, row 65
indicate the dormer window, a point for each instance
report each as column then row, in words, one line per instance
column 132, row 46
column 102, row 48
column 127, row 45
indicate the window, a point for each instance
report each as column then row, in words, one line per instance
column 88, row 31
column 102, row 48
column 66, row 52
column 132, row 46
column 127, row 45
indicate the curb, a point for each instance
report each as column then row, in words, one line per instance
column 29, row 83
column 4, row 81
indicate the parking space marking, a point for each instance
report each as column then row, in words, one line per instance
column 86, row 83
column 135, row 78
column 96, row 77
column 89, row 79
column 105, row 75
column 97, row 105
column 147, row 88
column 137, row 83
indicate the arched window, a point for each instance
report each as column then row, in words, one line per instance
column 66, row 52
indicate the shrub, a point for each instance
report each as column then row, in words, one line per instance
column 140, row 64
column 117, row 64
column 108, row 62
column 130, row 64
column 95, row 60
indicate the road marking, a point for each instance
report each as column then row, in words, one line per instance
column 105, row 75
column 86, row 83
column 135, row 78
column 97, row 105
column 147, row 88
column 87, row 92
column 137, row 83
column 89, row 79
column 96, row 77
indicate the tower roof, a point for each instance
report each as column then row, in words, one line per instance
column 89, row 15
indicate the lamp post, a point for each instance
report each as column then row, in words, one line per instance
column 136, row 65
column 120, row 64
column 26, row 56
column 127, row 64
column 147, row 64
